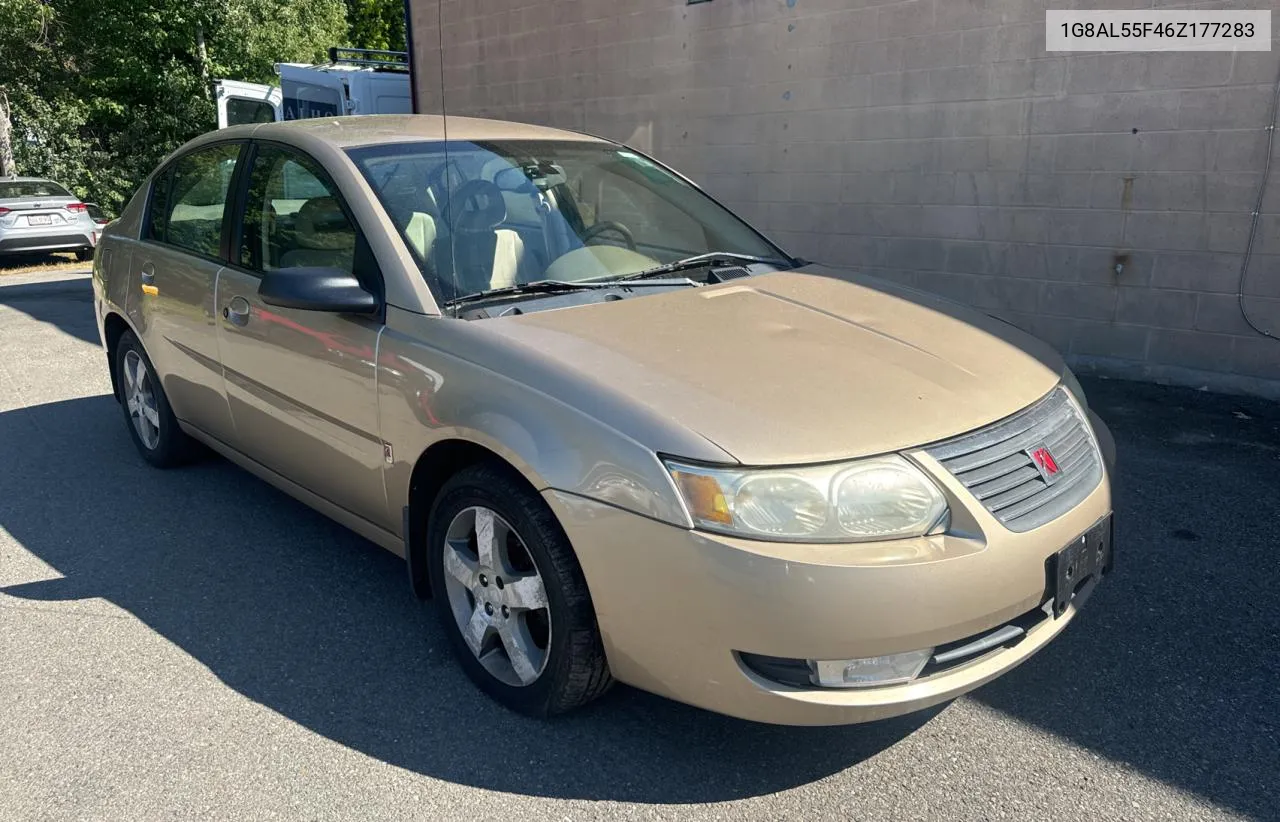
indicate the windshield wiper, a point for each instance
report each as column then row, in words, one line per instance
column 535, row 287
column 700, row 261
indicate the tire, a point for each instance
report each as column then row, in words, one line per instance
column 572, row 670
column 162, row 442
column 84, row 255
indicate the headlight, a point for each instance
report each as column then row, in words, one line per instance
column 879, row 498
column 1072, row 385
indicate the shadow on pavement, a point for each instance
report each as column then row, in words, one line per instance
column 1174, row 666
column 11, row 261
column 66, row 303
column 302, row 616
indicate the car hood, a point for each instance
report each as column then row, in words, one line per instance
column 802, row 366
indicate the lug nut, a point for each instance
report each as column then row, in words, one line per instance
column 484, row 580
column 498, row 581
column 488, row 608
column 505, row 612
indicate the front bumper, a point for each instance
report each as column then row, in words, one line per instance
column 676, row 607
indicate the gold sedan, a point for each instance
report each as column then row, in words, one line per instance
column 615, row 432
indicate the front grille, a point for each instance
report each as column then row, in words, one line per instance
column 996, row 465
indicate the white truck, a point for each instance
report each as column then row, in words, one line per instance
column 355, row 81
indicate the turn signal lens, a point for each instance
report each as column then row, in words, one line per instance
column 705, row 498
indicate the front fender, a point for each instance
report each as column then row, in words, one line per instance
column 429, row 393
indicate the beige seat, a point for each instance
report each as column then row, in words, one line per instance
column 508, row 249
column 508, row 256
column 420, row 233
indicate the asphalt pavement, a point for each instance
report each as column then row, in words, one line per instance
column 193, row 644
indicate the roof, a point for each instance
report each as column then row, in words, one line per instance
column 343, row 67
column 30, row 180
column 370, row 129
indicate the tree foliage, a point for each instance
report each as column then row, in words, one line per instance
column 102, row 90
column 376, row 24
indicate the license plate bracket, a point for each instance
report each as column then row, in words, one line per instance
column 40, row 219
column 1071, row 570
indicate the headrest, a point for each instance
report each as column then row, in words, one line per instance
column 321, row 225
column 477, row 206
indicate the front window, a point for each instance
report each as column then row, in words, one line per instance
column 486, row 215
column 293, row 216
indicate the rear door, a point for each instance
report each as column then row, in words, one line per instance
column 240, row 103
column 311, row 92
column 301, row 384
column 380, row 92
column 175, row 268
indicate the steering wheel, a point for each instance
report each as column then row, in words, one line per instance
column 605, row 226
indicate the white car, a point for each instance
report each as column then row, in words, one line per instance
column 41, row 216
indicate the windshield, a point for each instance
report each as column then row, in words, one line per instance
column 488, row 215
column 31, row 188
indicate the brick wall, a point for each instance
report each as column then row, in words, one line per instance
column 931, row 141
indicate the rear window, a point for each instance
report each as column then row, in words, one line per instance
column 31, row 188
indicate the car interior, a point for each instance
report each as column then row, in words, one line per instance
column 479, row 221
column 318, row 234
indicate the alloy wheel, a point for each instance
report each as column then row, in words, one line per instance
column 140, row 398
column 497, row 596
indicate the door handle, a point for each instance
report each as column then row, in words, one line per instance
column 236, row 312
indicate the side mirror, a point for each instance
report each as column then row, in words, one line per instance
column 316, row 289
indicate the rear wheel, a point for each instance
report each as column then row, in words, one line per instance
column 512, row 596
column 152, row 426
column 84, row 255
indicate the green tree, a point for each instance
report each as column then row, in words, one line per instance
column 146, row 68
column 44, row 117
column 101, row 90
column 376, row 24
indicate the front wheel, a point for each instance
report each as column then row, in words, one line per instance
column 512, row 596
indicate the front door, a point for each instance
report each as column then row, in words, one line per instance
column 176, row 266
column 301, row 384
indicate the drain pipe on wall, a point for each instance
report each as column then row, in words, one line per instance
column 1257, row 213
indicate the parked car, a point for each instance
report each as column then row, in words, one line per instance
column 96, row 214
column 615, row 432
column 40, row 215
column 100, row 220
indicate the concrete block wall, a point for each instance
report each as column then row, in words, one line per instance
column 1101, row 201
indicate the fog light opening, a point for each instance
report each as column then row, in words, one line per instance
column 868, row 672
